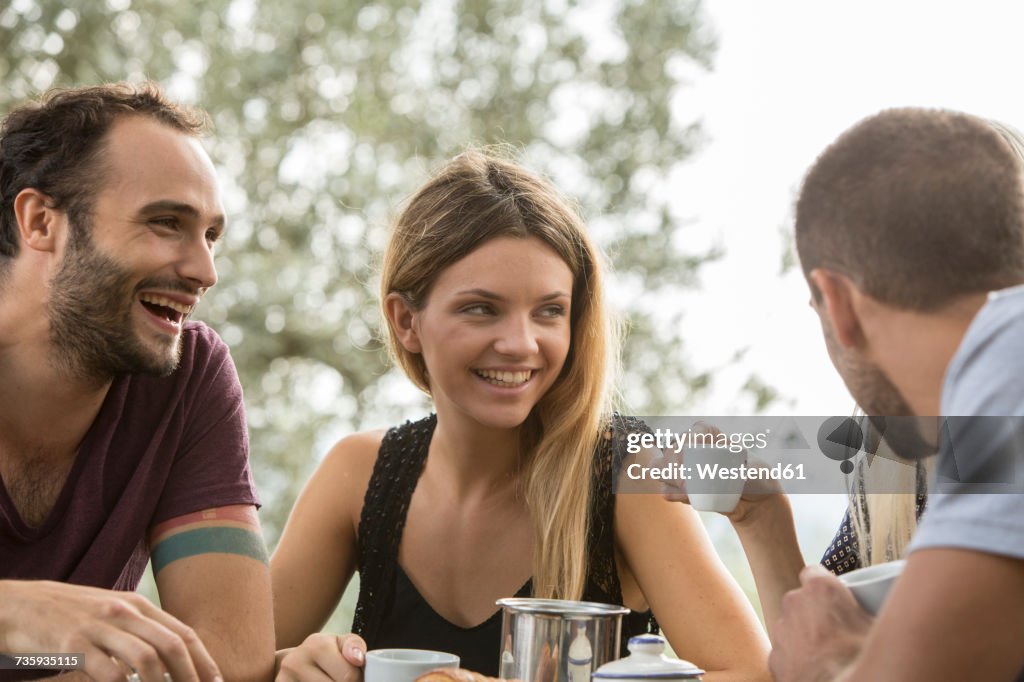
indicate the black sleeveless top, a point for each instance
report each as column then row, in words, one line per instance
column 392, row 613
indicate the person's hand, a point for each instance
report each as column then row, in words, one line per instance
column 820, row 632
column 321, row 657
column 107, row 627
column 758, row 495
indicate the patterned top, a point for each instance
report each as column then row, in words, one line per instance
column 391, row 612
column 844, row 554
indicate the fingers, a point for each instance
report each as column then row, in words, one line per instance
column 324, row 657
column 105, row 623
column 814, row 571
column 353, row 648
column 703, row 427
column 307, row 674
column 152, row 641
column 328, row 657
column 314, row 675
column 145, row 645
column 99, row 666
column 818, row 586
column 180, row 646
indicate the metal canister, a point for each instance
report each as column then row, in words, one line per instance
column 555, row 640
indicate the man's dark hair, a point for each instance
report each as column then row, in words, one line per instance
column 917, row 207
column 55, row 146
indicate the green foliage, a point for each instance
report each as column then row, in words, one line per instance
column 327, row 114
column 764, row 395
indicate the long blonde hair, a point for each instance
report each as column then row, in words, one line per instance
column 472, row 199
column 883, row 522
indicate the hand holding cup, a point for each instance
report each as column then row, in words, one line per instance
column 711, row 486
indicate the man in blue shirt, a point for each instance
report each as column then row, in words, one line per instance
column 910, row 230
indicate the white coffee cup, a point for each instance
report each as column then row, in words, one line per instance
column 404, row 665
column 871, row 585
column 706, row 486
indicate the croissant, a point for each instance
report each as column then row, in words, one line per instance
column 455, row 675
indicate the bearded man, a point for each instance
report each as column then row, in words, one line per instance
column 122, row 429
column 910, row 230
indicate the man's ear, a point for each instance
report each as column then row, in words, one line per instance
column 39, row 223
column 837, row 301
column 401, row 317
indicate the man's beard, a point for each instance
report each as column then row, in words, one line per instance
column 92, row 327
column 909, row 436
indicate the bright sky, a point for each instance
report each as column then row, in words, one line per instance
column 789, row 77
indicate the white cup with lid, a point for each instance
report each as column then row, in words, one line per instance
column 647, row 662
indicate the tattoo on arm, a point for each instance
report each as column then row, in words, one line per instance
column 209, row 540
column 241, row 513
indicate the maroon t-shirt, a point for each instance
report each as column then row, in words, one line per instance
column 159, row 448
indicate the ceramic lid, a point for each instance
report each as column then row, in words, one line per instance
column 647, row 661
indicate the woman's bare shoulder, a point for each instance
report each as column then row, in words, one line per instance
column 337, row 487
column 352, row 458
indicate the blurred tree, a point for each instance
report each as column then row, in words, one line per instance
column 328, row 114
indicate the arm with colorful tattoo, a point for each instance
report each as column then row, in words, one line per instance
column 211, row 572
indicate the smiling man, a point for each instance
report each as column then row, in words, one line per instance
column 122, row 429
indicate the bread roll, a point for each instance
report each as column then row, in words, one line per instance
column 455, row 675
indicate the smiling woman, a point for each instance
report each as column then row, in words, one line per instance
column 494, row 301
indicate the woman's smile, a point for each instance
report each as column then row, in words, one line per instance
column 495, row 332
column 505, row 378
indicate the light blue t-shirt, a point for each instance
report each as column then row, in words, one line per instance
column 985, row 379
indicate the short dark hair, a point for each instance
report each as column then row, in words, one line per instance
column 54, row 145
column 917, row 207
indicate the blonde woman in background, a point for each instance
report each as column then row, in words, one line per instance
column 878, row 526
column 492, row 293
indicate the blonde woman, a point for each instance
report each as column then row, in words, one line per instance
column 493, row 298
column 878, row 526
